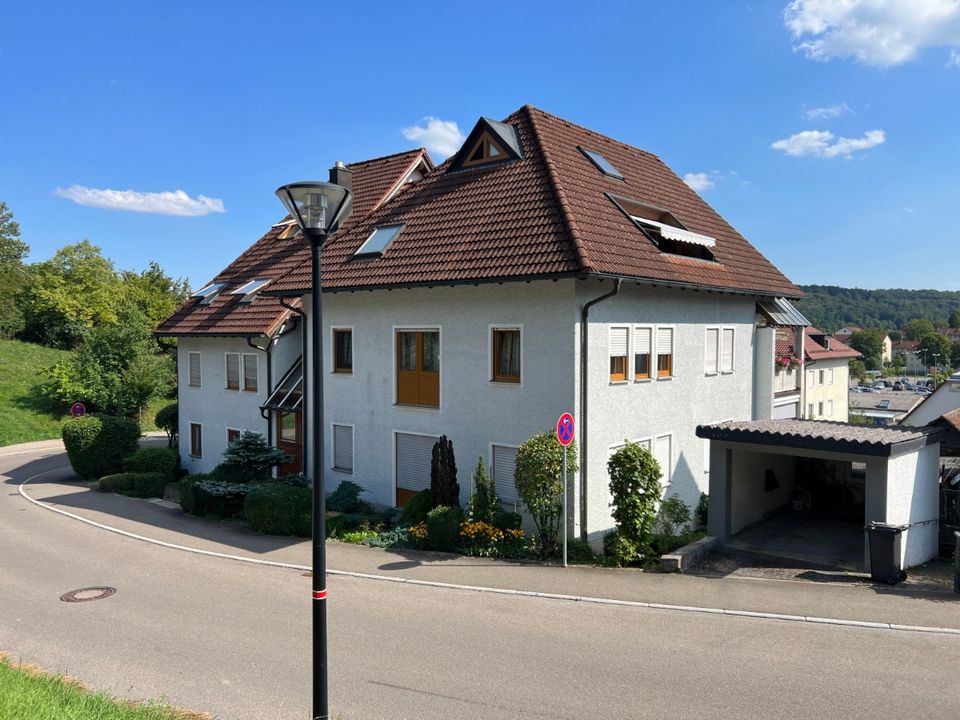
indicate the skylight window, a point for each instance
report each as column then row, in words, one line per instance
column 378, row 241
column 603, row 165
column 250, row 290
column 208, row 293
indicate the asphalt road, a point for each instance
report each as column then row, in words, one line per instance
column 233, row 639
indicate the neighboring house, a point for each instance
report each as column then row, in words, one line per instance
column 543, row 268
column 942, row 401
column 912, row 358
column 884, row 408
column 845, row 333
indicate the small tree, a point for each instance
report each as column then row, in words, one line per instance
column 538, row 474
column 635, row 487
column 168, row 420
column 444, row 487
column 250, row 459
column 484, row 504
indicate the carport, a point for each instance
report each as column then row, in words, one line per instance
column 763, row 469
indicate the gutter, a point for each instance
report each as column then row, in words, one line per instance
column 584, row 398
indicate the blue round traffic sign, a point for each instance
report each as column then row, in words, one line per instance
column 566, row 429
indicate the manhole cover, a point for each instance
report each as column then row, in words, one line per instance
column 90, row 593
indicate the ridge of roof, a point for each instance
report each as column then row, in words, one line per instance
column 553, row 176
column 391, row 156
column 584, row 128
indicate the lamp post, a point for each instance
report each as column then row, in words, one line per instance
column 317, row 207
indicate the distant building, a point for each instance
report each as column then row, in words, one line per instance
column 845, row 333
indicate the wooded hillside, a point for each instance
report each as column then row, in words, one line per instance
column 829, row 307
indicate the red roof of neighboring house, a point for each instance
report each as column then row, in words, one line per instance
column 905, row 345
column 543, row 215
column 819, row 346
column 952, row 419
column 280, row 250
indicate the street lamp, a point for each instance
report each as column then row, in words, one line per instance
column 317, row 207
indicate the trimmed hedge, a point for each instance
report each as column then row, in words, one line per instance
column 141, row 485
column 187, row 501
column 443, row 528
column 153, row 460
column 416, row 509
column 219, row 499
column 97, row 444
column 280, row 509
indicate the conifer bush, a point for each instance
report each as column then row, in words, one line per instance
column 443, row 475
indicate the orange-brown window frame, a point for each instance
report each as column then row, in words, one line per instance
column 233, row 434
column 485, row 141
column 642, row 361
column 196, row 440
column 618, row 367
column 338, row 334
column 499, row 335
column 418, row 385
column 664, row 360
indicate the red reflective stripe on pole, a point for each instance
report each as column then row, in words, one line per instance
column 319, row 594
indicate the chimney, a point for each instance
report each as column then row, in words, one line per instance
column 339, row 175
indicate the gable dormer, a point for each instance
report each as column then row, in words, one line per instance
column 490, row 142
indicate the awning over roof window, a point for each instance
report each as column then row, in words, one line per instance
column 288, row 395
column 780, row 312
column 677, row 234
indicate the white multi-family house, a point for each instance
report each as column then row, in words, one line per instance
column 543, row 269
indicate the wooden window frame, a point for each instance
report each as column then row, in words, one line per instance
column 495, row 374
column 334, row 361
column 668, row 373
column 196, row 442
column 486, row 141
column 648, row 375
column 230, row 430
column 226, row 370
column 199, row 355
column 243, row 372
column 422, row 375
column 618, row 362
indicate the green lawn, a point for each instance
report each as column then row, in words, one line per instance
column 23, row 415
column 28, row 694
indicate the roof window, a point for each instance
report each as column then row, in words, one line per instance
column 208, row 293
column 663, row 229
column 489, row 142
column 603, row 165
column 250, row 289
column 378, row 241
column 486, row 150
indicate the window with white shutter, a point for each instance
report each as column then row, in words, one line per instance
column 830, row 376
column 502, row 467
column 664, row 352
column 830, row 408
column 233, row 371
column 663, row 453
column 414, row 453
column 710, row 351
column 193, row 367
column 642, row 341
column 726, row 353
column 619, row 340
column 343, row 448
column 250, row 372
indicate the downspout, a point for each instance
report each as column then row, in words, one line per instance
column 584, row 397
column 306, row 382
column 266, row 351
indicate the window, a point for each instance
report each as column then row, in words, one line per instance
column 823, row 377
column 250, row 372
column 343, row 448
column 619, row 339
column 501, row 467
column 663, row 453
column 829, row 408
column 641, row 353
column 249, row 290
column 233, row 371
column 233, row 434
column 288, row 426
column 712, row 351
column 664, row 352
column 811, row 378
column 209, row 293
column 418, row 367
column 830, row 376
column 820, row 408
column 378, row 241
column 726, row 351
column 193, row 369
column 486, row 150
column 414, row 454
column 603, row 165
column 506, row 355
column 809, row 411
column 343, row 351
column 196, row 440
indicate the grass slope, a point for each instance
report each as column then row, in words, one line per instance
column 23, row 415
column 29, row 694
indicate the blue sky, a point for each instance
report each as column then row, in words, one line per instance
column 826, row 133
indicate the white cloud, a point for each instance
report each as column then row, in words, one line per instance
column 175, row 202
column 954, row 59
column 822, row 143
column 830, row 111
column 441, row 137
column 699, row 181
column 874, row 32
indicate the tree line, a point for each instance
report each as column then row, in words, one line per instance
column 78, row 300
column 829, row 307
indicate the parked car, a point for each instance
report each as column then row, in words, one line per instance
column 898, row 386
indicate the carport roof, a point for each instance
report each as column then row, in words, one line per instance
column 824, row 436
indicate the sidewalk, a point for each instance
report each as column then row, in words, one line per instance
column 817, row 600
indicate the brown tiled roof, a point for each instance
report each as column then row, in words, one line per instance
column 280, row 250
column 543, row 215
column 952, row 419
column 823, row 435
column 816, row 351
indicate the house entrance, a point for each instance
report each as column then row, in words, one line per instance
column 290, row 441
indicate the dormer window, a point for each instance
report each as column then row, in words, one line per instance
column 603, row 165
column 663, row 229
column 378, row 241
column 208, row 293
column 486, row 150
column 250, row 289
column 490, row 142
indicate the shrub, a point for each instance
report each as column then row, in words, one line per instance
column 141, row 485
column 673, row 517
column 280, row 509
column 703, row 511
column 443, row 475
column 443, row 528
column 187, row 499
column 579, row 551
column 96, row 445
column 418, row 534
column 507, row 520
column 250, row 459
column 219, row 499
column 620, row 548
column 481, row 539
column 338, row 524
column 635, row 487
column 346, row 498
column 416, row 509
column 397, row 538
column 484, row 504
column 537, row 475
column 168, row 420
column 664, row 544
column 153, row 460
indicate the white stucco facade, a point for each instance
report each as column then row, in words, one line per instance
column 943, row 400
column 826, row 390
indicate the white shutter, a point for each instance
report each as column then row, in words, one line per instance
column 830, row 376
column 414, row 453
column 726, row 357
column 641, row 339
column 664, row 341
column 663, row 452
column 194, row 369
column 250, row 372
column 233, row 371
column 504, row 462
column 830, row 408
column 618, row 341
column 343, row 447
column 710, row 354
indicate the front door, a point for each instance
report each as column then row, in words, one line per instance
column 290, row 441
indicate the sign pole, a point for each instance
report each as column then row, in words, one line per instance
column 564, row 506
column 566, row 429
